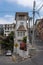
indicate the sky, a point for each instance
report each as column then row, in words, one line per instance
column 8, row 9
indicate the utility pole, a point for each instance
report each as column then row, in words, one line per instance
column 34, row 11
column 34, row 3
column 30, row 19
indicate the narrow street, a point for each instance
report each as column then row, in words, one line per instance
column 6, row 59
column 36, row 60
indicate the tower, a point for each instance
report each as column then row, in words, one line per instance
column 21, row 29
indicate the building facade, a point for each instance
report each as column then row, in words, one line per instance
column 21, row 29
column 39, row 28
column 1, row 29
column 8, row 28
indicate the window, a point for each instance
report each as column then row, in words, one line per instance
column 20, row 33
column 5, row 25
column 21, row 23
column 23, row 33
column 8, row 28
column 5, row 34
column 5, row 28
column 8, row 25
column 21, row 17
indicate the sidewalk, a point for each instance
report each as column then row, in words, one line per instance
column 17, row 58
column 32, row 52
column 6, row 59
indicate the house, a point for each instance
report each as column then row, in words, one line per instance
column 21, row 29
column 8, row 28
column 39, row 27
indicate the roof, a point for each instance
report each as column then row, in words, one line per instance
column 21, row 28
column 21, row 14
column 39, row 20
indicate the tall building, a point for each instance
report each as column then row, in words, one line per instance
column 21, row 28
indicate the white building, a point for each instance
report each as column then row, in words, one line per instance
column 21, row 30
column 8, row 28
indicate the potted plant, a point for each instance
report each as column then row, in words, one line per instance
column 16, row 45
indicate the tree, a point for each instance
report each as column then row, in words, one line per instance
column 9, row 42
column 24, row 39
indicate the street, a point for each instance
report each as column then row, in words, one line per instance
column 6, row 59
column 37, row 60
column 21, row 32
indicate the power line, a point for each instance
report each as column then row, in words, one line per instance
column 35, row 11
column 38, row 5
column 40, row 8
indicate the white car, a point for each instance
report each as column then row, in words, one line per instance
column 9, row 53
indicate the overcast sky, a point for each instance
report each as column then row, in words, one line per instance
column 8, row 8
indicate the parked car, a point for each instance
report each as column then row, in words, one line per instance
column 8, row 53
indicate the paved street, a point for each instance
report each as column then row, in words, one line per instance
column 37, row 60
column 6, row 59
